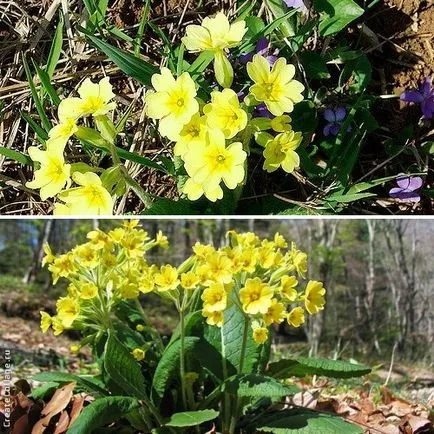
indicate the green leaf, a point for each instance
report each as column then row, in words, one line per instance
column 38, row 103
column 336, row 14
column 302, row 366
column 102, row 412
column 304, row 117
column 349, row 197
column 163, row 206
column 122, row 368
column 314, row 65
column 201, row 63
column 46, row 83
column 278, row 9
column 258, row 386
column 168, row 367
column 304, row 421
column 191, row 418
column 15, row 155
column 232, row 333
column 88, row 383
column 41, row 134
column 133, row 66
column 56, row 48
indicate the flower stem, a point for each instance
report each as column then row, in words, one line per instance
column 182, row 359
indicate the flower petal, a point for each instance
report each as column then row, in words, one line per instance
column 411, row 96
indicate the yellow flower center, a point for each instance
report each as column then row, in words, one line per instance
column 194, row 132
column 220, row 158
column 269, row 89
column 180, row 102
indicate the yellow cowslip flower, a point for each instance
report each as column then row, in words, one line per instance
column 202, row 251
column 129, row 288
column 216, row 35
column 260, row 335
column 58, row 327
column 189, row 280
column 279, row 241
column 195, row 191
column 215, row 297
column 214, row 318
column 53, row 174
column 133, row 243
column 167, row 278
column 90, row 198
column 296, row 317
column 256, row 296
column 63, row 266
column 174, row 102
column 99, row 239
column 224, row 113
column 108, row 260
column 280, row 152
column 68, row 310
column 299, row 260
column 314, row 297
column 275, row 87
column 218, row 268
column 192, row 135
column 244, row 239
column 287, row 287
column 95, row 98
column 146, row 284
column 215, row 162
column 49, row 257
column 138, row 354
column 266, row 256
column 162, row 240
column 275, row 313
column 86, row 255
column 88, row 291
column 46, row 321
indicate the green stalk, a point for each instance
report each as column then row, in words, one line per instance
column 226, row 403
column 182, row 360
column 237, row 404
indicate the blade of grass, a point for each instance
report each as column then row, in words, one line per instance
column 180, row 64
column 15, row 155
column 41, row 134
column 46, row 84
column 40, row 109
column 56, row 49
column 141, row 29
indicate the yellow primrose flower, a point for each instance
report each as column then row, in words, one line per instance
column 214, row 318
column 90, row 198
column 174, row 102
column 96, row 97
column 138, row 354
column 224, row 113
column 193, row 135
column 189, row 280
column 256, row 296
column 67, row 310
column 216, row 34
column 195, row 191
column 49, row 257
column 281, row 124
column 299, row 260
column 63, row 130
column 260, row 335
column 58, row 327
column 215, row 297
column 53, row 174
column 280, row 152
column 88, row 291
column 296, row 317
column 287, row 287
column 216, row 162
column 266, row 256
column 275, row 313
column 46, row 321
column 99, row 239
column 314, row 297
column 146, row 284
column 167, row 278
column 140, row 327
column 275, row 87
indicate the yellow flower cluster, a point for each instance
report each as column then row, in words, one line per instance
column 260, row 277
column 108, row 268
column 54, row 176
column 213, row 138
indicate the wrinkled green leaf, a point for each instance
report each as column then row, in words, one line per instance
column 191, row 418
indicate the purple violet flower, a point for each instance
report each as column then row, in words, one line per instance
column 296, row 4
column 335, row 118
column 263, row 48
column 261, row 111
column 406, row 190
column 424, row 96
